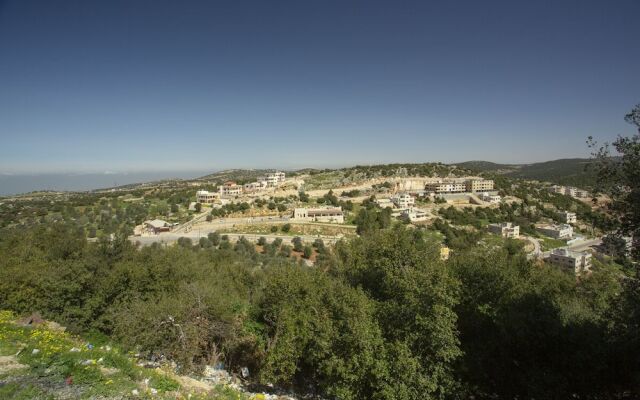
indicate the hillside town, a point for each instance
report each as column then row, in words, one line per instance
column 275, row 207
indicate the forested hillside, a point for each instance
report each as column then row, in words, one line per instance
column 378, row 317
column 568, row 171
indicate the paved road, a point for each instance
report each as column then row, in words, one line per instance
column 536, row 246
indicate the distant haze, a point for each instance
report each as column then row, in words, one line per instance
column 24, row 183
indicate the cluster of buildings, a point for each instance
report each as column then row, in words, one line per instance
column 505, row 229
column 557, row 231
column 577, row 261
column 231, row 189
column 321, row 214
column 460, row 186
column 570, row 191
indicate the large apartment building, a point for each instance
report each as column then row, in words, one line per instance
column 324, row 214
column 403, row 200
column 505, row 229
column 460, row 186
column 570, row 191
column 479, row 185
column 578, row 262
column 230, row 189
column 206, row 197
column 561, row 231
column 446, row 187
column 273, row 179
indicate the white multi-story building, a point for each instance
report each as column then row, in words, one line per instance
column 414, row 215
column 403, row 200
column 568, row 217
column 206, row 197
column 578, row 262
column 325, row 214
column 230, row 189
column 505, row 229
column 570, row 191
column 561, row 231
column 446, row 187
column 460, row 186
column 273, row 179
column 255, row 186
column 490, row 198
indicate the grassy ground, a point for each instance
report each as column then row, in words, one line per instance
column 547, row 243
column 47, row 363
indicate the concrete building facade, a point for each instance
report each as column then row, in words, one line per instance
column 230, row 189
column 206, row 197
column 403, row 200
column 325, row 214
column 505, row 229
column 273, row 179
column 568, row 217
column 578, row 262
column 561, row 231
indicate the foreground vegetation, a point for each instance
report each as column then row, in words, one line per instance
column 379, row 317
column 42, row 361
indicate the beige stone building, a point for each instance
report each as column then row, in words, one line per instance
column 578, row 262
column 206, row 197
column 325, row 214
column 505, row 229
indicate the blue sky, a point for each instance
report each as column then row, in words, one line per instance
column 90, row 86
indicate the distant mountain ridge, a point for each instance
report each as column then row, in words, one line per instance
column 565, row 171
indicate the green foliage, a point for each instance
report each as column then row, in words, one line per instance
column 369, row 220
column 378, row 317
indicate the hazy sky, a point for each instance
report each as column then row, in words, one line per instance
column 157, row 85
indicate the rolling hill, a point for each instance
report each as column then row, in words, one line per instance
column 567, row 171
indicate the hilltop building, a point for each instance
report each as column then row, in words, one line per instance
column 413, row 214
column 561, row 231
column 505, row 229
column 206, row 197
column 403, row 200
column 460, row 186
column 478, row 185
column 570, row 191
column 324, row 214
column 490, row 198
column 230, row 189
column 568, row 217
column 273, row 179
column 578, row 262
column 255, row 186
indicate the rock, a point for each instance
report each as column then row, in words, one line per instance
column 9, row 363
column 35, row 351
column 54, row 326
column 216, row 375
column 135, row 392
column 33, row 319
